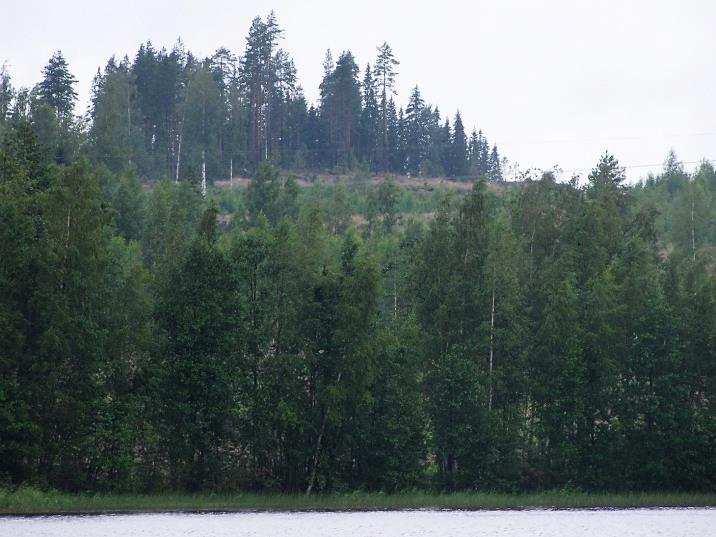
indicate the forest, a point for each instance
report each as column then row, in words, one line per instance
column 327, row 326
column 167, row 114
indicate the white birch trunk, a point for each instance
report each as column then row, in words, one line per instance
column 176, row 176
column 319, row 442
column 129, row 127
column 693, row 227
column 203, row 173
column 492, row 339
column 181, row 128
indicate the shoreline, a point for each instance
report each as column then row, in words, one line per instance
column 33, row 502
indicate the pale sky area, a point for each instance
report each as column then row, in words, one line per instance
column 551, row 82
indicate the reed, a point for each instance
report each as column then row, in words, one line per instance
column 31, row 501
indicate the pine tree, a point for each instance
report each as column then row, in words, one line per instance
column 341, row 108
column 385, row 74
column 223, row 67
column 327, row 113
column 266, row 73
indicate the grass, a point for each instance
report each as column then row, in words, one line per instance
column 30, row 501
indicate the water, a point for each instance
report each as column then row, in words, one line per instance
column 542, row 523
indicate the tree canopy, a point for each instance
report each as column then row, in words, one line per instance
column 169, row 324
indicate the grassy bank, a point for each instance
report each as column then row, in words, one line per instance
column 27, row 501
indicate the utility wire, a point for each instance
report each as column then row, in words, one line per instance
column 601, row 140
column 630, row 166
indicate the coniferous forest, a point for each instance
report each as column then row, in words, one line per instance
column 329, row 325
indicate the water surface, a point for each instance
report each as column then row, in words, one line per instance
column 542, row 523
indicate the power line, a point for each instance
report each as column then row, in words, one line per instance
column 630, row 166
column 602, row 140
column 517, row 172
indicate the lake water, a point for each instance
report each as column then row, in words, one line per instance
column 543, row 523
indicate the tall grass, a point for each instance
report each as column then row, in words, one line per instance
column 27, row 501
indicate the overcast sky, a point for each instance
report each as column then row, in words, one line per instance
column 551, row 82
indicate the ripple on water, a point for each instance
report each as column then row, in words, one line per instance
column 543, row 523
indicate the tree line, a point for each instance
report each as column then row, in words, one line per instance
column 350, row 336
column 550, row 336
column 167, row 114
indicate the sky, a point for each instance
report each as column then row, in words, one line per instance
column 552, row 83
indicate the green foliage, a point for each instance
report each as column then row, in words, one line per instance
column 31, row 501
column 347, row 335
column 270, row 197
column 382, row 207
column 195, row 313
column 57, row 86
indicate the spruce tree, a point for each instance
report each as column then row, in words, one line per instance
column 459, row 148
column 370, row 132
column 495, row 166
column 341, row 108
column 396, row 138
column 444, row 145
column 415, row 132
column 57, row 87
column 265, row 73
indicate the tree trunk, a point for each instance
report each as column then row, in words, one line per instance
column 129, row 127
column 532, row 241
column 203, row 173
column 395, row 297
column 67, row 236
column 492, row 339
column 319, row 441
column 176, row 176
column 693, row 227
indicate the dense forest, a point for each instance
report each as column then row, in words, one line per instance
column 168, row 114
column 159, row 332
